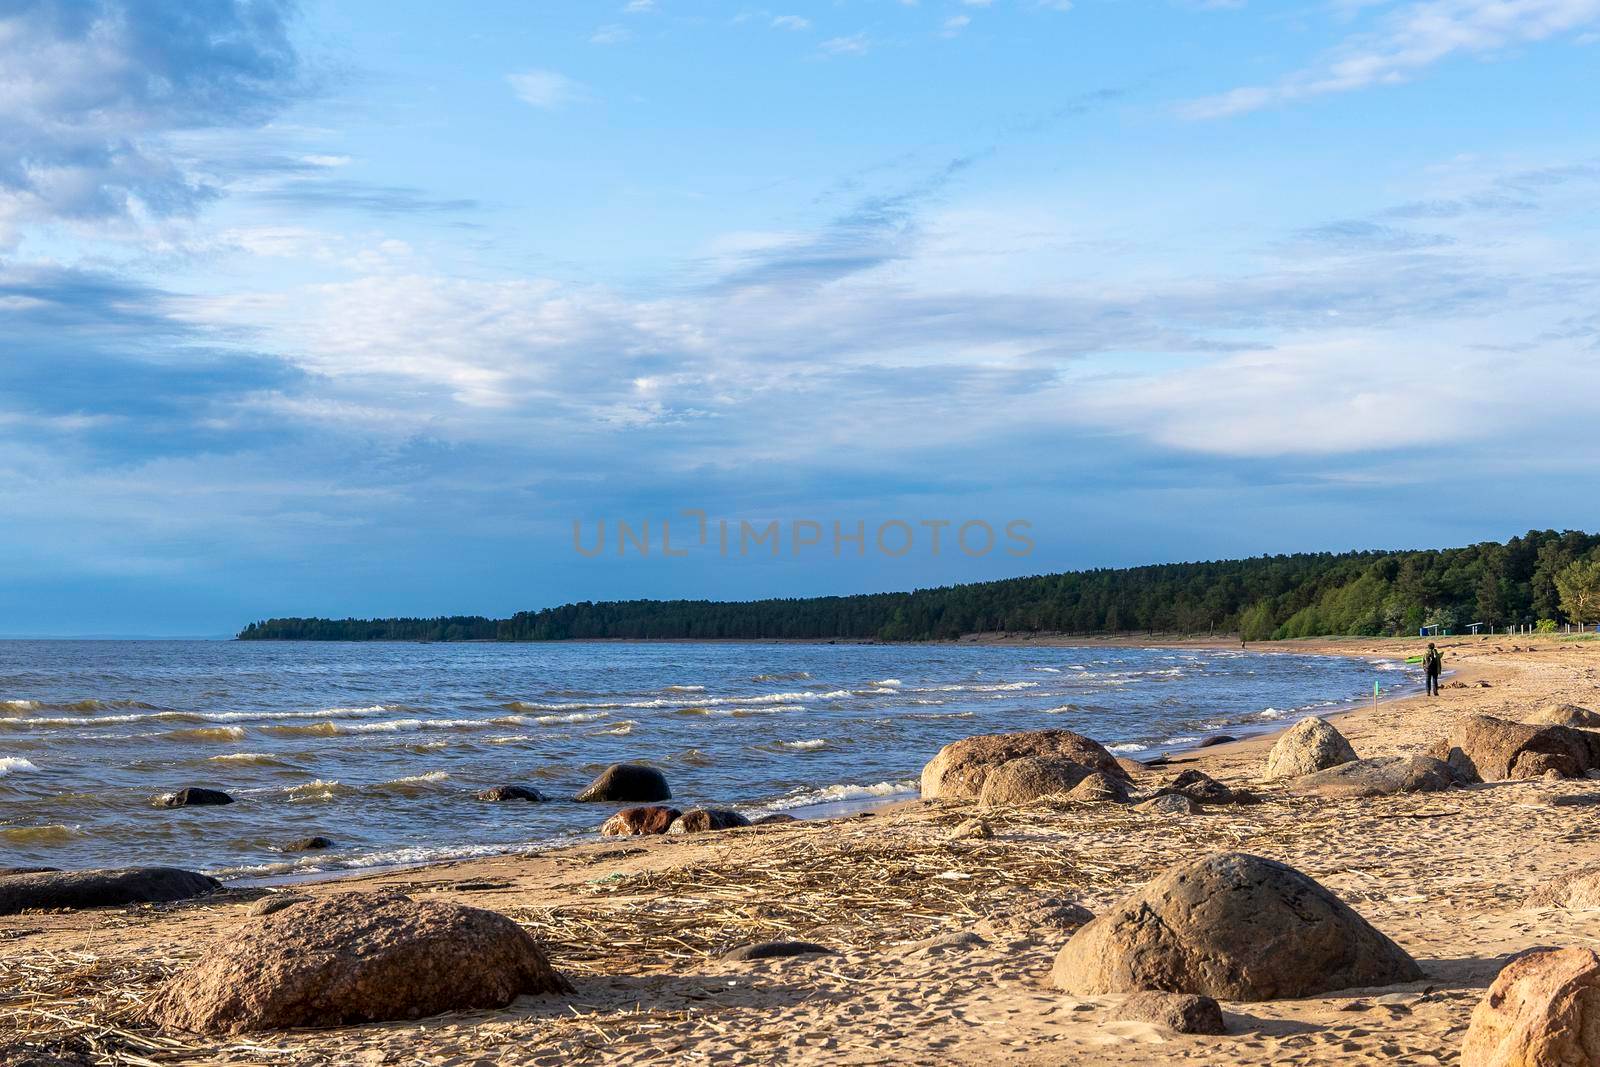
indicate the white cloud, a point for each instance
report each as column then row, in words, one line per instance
column 545, row 89
column 854, row 45
column 791, row 22
column 611, row 33
column 639, row 7
column 954, row 25
column 1408, row 41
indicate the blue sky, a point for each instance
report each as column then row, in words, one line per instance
column 357, row 308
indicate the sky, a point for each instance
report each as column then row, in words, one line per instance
column 374, row 309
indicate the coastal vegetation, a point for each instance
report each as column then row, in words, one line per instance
column 1543, row 578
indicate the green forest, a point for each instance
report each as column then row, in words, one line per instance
column 1543, row 579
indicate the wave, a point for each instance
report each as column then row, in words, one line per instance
column 53, row 834
column 737, row 713
column 1270, row 713
column 888, row 683
column 15, row 765
column 805, row 746
column 683, row 689
column 253, row 759
column 619, row 729
column 157, row 715
column 1046, row 670
column 787, row 676
column 658, row 702
column 318, row 790
column 206, row 733
column 19, row 705
column 388, row 726
column 693, row 757
column 980, row 687
column 1127, row 746
column 844, row 792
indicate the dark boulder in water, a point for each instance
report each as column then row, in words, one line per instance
column 308, row 844
column 6, row 872
column 628, row 783
column 192, row 797
column 101, row 888
column 502, row 793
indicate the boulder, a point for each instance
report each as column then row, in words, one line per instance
column 1054, row 913
column 502, row 793
column 1379, row 776
column 1566, row 715
column 1484, row 748
column 1022, row 781
column 959, row 769
column 704, row 820
column 628, row 783
column 1168, row 804
column 191, row 797
column 1186, row 1013
column 632, row 822
column 308, row 844
column 1579, row 891
column 1231, row 926
column 353, row 958
column 773, row 950
column 1542, row 1010
column 1100, row 787
column 1310, row 745
column 101, row 888
column 1204, row 789
column 1216, row 739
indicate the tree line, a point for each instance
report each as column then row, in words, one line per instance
column 1543, row 578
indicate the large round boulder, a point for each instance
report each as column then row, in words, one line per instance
column 1022, row 781
column 101, row 888
column 1310, row 745
column 1542, row 1010
column 1579, row 891
column 628, row 783
column 1231, row 926
column 959, row 769
column 1379, row 776
column 1485, row 748
column 191, row 797
column 354, row 958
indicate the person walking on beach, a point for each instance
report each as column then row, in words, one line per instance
column 1432, row 664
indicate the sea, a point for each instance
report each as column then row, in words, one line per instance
column 382, row 747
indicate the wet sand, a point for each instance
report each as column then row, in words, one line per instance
column 637, row 924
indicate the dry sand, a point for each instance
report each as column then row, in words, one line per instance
column 943, row 946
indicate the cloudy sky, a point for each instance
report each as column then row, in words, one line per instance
column 356, row 308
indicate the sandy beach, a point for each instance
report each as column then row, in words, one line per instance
column 942, row 946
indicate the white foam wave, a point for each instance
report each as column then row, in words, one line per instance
column 19, row 705
column 888, row 683
column 1046, row 670
column 841, row 793
column 15, row 765
column 683, row 689
column 1127, row 746
column 805, row 746
column 1270, row 713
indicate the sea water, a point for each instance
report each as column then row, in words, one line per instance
column 381, row 747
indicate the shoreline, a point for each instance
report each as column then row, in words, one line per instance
column 941, row 946
column 1159, row 756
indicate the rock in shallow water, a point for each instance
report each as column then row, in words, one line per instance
column 308, row 844
column 502, row 793
column 354, row 958
column 628, row 783
column 1231, row 926
column 192, row 797
column 101, row 888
